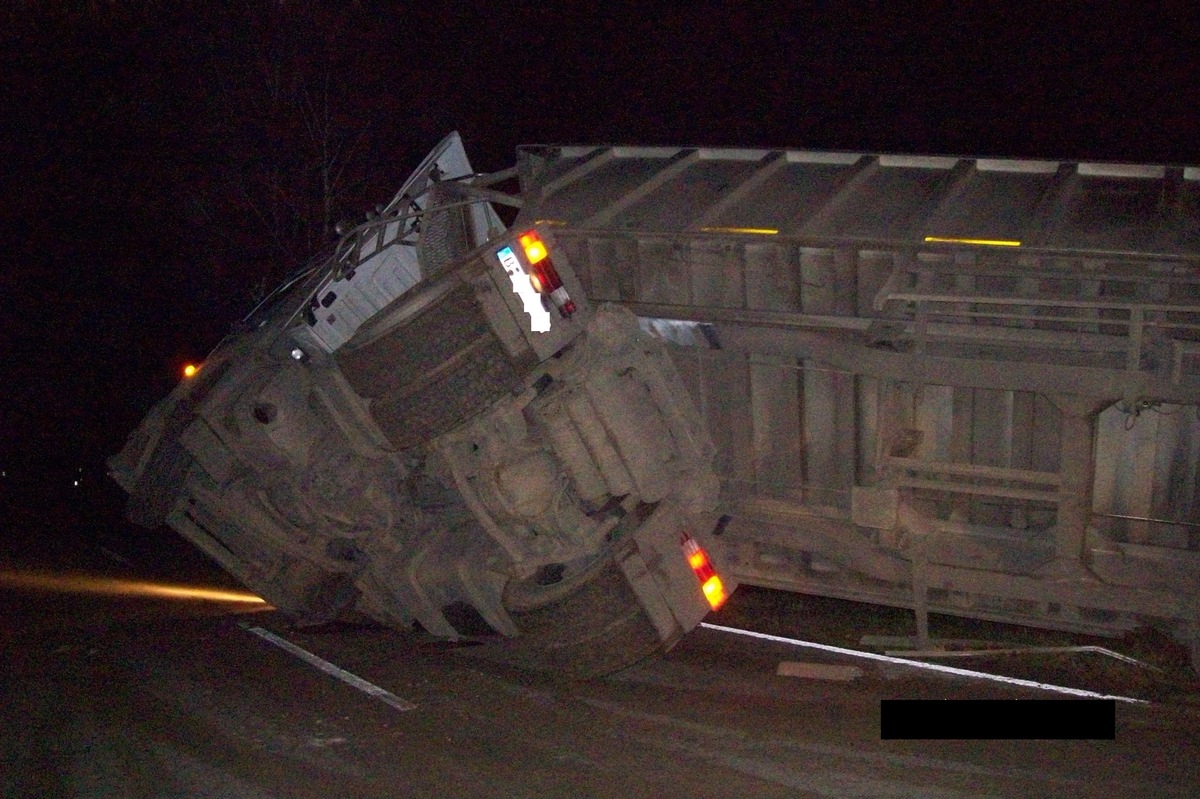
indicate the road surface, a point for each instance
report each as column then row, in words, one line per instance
column 136, row 697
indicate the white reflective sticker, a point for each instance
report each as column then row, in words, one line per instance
column 539, row 317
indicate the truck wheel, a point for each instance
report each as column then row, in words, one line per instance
column 583, row 622
column 430, row 372
column 422, row 411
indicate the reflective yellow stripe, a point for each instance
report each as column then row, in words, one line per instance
column 761, row 231
column 984, row 242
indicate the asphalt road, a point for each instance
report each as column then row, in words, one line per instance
column 157, row 698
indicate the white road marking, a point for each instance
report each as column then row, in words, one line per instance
column 916, row 664
column 368, row 688
column 1025, row 650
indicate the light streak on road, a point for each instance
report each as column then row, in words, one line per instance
column 110, row 586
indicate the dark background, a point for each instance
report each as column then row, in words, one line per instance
column 163, row 164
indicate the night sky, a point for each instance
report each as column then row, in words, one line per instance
column 165, row 162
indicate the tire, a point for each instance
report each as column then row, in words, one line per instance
column 587, row 625
column 420, row 412
column 431, row 372
column 385, row 364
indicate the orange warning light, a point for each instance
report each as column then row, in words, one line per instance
column 535, row 249
column 714, row 592
column 190, row 370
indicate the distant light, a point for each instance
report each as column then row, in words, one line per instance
column 297, row 354
column 77, row 484
column 761, row 232
column 983, row 242
column 190, row 370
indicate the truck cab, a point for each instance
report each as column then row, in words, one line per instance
column 436, row 426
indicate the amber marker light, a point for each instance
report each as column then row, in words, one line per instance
column 710, row 582
column 981, row 242
column 714, row 592
column 535, row 249
column 190, row 370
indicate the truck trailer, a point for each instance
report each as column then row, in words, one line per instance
column 957, row 385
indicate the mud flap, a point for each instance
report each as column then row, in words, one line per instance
column 657, row 569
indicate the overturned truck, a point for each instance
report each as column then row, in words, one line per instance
column 967, row 386
column 437, row 426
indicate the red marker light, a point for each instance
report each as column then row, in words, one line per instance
column 710, row 581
